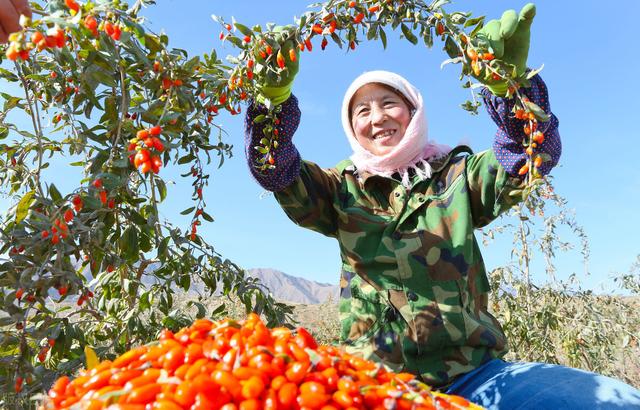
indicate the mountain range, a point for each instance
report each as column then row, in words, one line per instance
column 295, row 289
column 283, row 287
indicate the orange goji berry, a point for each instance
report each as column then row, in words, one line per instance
column 280, row 59
column 287, row 394
column 253, row 387
column 128, row 357
column 144, row 394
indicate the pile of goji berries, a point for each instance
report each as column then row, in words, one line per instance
column 233, row 365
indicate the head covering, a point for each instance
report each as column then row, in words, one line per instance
column 413, row 152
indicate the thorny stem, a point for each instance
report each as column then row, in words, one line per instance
column 36, row 128
column 166, row 105
column 525, row 254
column 155, row 207
column 123, row 107
column 144, row 263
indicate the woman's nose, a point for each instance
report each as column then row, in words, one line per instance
column 378, row 115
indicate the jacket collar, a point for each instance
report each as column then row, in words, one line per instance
column 437, row 164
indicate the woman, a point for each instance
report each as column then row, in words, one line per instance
column 414, row 288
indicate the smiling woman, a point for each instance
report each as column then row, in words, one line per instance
column 384, row 119
column 379, row 117
column 414, row 288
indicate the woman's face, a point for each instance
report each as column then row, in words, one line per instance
column 379, row 118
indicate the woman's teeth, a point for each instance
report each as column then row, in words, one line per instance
column 383, row 134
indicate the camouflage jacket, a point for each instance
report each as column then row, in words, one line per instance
column 414, row 289
column 413, row 283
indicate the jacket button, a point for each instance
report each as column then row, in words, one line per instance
column 391, row 315
column 412, row 296
column 396, row 235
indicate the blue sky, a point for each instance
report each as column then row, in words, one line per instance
column 590, row 69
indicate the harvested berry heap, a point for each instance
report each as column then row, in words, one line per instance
column 233, row 365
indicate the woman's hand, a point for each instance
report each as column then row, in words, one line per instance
column 509, row 38
column 283, row 61
column 10, row 12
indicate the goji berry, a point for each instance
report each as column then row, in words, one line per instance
column 280, row 59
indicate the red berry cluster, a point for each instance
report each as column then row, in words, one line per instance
column 144, row 149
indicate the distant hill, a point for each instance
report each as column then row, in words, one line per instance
column 294, row 289
column 286, row 288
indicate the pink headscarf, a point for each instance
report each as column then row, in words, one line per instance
column 414, row 151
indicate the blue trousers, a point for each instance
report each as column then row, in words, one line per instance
column 502, row 385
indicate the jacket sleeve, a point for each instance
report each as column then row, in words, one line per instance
column 310, row 200
column 507, row 144
column 286, row 156
column 492, row 175
column 490, row 187
column 305, row 191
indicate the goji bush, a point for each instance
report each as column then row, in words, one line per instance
column 98, row 266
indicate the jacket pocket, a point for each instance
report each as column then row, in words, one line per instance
column 450, row 297
column 360, row 308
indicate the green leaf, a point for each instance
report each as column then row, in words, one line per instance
column 55, row 195
column 437, row 4
column 207, row 217
column 260, row 119
column 152, row 43
column 408, row 34
column 185, row 282
column 473, row 21
column 8, row 75
column 99, row 160
column 137, row 218
column 162, row 248
column 243, row 29
column 537, row 111
column 23, row 206
column 532, row 73
column 92, row 203
column 372, row 32
column 383, row 38
column 476, row 29
column 145, row 239
column 11, row 103
column 4, row 132
column 129, row 243
column 144, row 301
column 458, row 17
column 336, row 39
column 235, row 41
column 186, row 159
column 162, row 189
column 104, row 78
column 187, row 211
column 427, row 37
column 451, row 47
column 201, row 309
column 450, row 61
